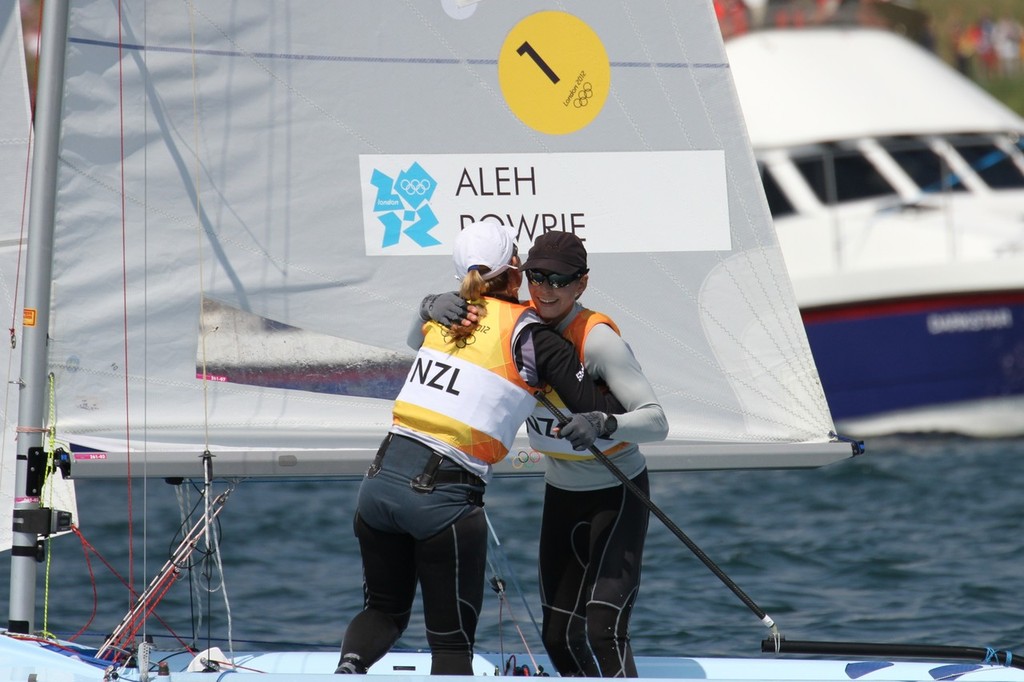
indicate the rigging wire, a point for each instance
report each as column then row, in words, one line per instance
column 498, row 585
column 195, row 596
column 124, row 307
column 205, row 585
column 210, row 536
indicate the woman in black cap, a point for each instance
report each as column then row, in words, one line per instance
column 418, row 516
column 593, row 529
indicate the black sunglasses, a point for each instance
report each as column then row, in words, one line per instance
column 553, row 278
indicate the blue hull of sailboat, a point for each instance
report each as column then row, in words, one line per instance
column 892, row 357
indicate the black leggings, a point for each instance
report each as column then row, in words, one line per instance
column 591, row 547
column 450, row 569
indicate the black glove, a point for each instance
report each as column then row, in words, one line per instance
column 448, row 308
column 583, row 429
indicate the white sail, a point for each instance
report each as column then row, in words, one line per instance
column 303, row 173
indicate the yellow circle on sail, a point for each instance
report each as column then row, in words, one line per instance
column 554, row 72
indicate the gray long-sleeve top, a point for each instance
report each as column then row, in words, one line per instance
column 607, row 356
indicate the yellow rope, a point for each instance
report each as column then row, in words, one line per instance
column 49, row 448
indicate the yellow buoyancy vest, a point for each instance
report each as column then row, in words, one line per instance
column 470, row 395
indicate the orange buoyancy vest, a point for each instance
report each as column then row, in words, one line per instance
column 540, row 424
column 469, row 396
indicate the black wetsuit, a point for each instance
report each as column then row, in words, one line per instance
column 592, row 544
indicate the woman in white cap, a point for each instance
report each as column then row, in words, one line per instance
column 593, row 529
column 418, row 517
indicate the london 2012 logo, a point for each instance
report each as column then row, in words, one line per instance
column 402, row 206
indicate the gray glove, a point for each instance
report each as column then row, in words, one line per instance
column 583, row 429
column 448, row 308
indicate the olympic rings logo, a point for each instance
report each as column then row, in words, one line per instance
column 415, row 185
column 525, row 459
column 586, row 92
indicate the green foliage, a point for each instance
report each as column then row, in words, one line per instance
column 947, row 16
column 1009, row 90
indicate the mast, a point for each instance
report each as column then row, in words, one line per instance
column 30, row 521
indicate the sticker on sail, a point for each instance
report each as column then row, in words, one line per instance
column 459, row 9
column 554, row 72
column 625, row 202
column 401, row 203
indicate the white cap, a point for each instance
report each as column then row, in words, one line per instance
column 487, row 244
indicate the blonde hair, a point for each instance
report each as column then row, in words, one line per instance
column 473, row 288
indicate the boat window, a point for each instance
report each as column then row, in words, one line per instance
column 842, row 175
column 778, row 204
column 994, row 165
column 927, row 169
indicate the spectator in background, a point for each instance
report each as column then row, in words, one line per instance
column 732, row 17
column 757, row 11
column 965, row 43
column 1006, row 41
column 986, row 51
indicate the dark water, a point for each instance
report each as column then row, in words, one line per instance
column 917, row 541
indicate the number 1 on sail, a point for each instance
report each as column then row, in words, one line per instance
column 526, row 48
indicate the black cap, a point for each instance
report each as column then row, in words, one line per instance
column 559, row 252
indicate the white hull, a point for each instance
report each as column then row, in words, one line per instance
column 19, row 660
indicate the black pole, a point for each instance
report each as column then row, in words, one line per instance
column 603, row 458
column 875, row 650
column 777, row 644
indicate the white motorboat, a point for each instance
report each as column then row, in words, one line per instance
column 897, row 190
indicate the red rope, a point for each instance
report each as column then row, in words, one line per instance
column 92, row 581
column 90, row 548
